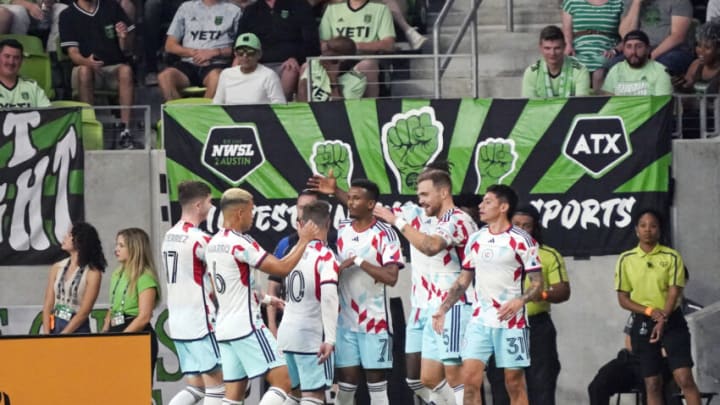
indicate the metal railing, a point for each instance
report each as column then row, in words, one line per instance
column 470, row 20
column 696, row 116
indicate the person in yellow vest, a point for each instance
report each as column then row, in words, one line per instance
column 649, row 280
column 542, row 375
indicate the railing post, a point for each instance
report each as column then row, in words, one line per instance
column 308, row 82
column 510, row 24
column 474, row 50
column 146, row 127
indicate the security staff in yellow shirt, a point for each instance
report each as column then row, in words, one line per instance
column 649, row 280
column 542, row 375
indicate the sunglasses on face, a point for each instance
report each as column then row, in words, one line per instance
column 245, row 52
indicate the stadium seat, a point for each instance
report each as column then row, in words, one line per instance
column 92, row 129
column 36, row 64
column 187, row 101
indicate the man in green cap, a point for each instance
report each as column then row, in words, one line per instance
column 247, row 81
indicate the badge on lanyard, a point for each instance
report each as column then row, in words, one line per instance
column 118, row 318
column 63, row 312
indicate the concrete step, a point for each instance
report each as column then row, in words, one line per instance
column 490, row 41
column 495, row 87
column 498, row 63
column 493, row 12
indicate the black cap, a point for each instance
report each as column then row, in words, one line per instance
column 637, row 35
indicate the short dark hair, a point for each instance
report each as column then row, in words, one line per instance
column 551, row 33
column 532, row 212
column 642, row 211
column 317, row 212
column 505, row 194
column 443, row 165
column 439, row 178
column 309, row 192
column 371, row 188
column 191, row 190
column 341, row 46
column 12, row 43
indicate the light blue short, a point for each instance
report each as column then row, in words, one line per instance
column 250, row 356
column 307, row 374
column 198, row 356
column 369, row 350
column 510, row 346
column 445, row 348
column 414, row 330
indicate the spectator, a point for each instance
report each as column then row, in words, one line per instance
column 6, row 19
column 248, row 82
column 333, row 79
column 201, row 33
column 157, row 13
column 703, row 76
column 666, row 23
column 27, row 11
column 555, row 75
column 288, row 32
column 637, row 75
column 414, row 38
column 74, row 282
column 17, row 92
column 369, row 25
column 97, row 35
column 590, row 28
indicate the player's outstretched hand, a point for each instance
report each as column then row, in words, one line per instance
column 323, row 184
column 438, row 321
column 346, row 263
column 308, row 231
column 384, row 213
column 277, row 303
column 324, row 353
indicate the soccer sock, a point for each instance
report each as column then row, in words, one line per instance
column 188, row 396
column 419, row 389
column 226, row 401
column 346, row 394
column 311, row 401
column 443, row 394
column 291, row 400
column 378, row 393
column 273, row 396
column 459, row 394
column 214, row 395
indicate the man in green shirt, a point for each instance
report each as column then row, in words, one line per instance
column 637, row 75
column 555, row 75
column 16, row 92
column 332, row 79
column 370, row 25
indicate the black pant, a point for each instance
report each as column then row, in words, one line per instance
column 621, row 374
column 544, row 368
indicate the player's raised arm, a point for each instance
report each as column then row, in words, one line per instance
column 307, row 231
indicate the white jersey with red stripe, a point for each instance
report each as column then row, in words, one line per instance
column 363, row 301
column 183, row 255
column 232, row 259
column 432, row 276
column 500, row 262
column 301, row 329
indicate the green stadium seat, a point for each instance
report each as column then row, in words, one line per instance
column 92, row 129
column 36, row 64
column 186, row 101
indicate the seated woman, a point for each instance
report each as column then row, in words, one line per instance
column 591, row 33
column 74, row 283
column 134, row 288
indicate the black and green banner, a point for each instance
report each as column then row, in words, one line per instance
column 41, row 183
column 586, row 163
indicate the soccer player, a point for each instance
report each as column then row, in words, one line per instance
column 499, row 256
column 370, row 257
column 437, row 231
column 183, row 254
column 247, row 348
column 307, row 334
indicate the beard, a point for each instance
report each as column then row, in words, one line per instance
column 636, row 61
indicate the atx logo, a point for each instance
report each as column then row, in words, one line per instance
column 597, row 144
column 233, row 152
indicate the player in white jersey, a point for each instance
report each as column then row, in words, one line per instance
column 437, row 251
column 499, row 256
column 183, row 253
column 247, row 348
column 370, row 257
column 307, row 334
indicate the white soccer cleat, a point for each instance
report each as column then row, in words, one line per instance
column 414, row 38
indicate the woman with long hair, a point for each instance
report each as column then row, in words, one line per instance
column 74, row 282
column 134, row 288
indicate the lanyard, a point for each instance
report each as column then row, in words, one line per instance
column 74, row 285
column 565, row 87
column 112, row 294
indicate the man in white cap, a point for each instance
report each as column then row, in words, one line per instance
column 248, row 82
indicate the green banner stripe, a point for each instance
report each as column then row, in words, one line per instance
column 634, row 111
column 654, row 178
column 413, row 104
column 177, row 171
column 198, row 120
column 49, row 226
column 45, row 136
column 5, row 154
column 49, row 185
column 363, row 118
column 530, row 127
column 470, row 119
column 76, row 182
column 300, row 124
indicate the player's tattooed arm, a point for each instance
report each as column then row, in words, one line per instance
column 535, row 289
column 457, row 290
